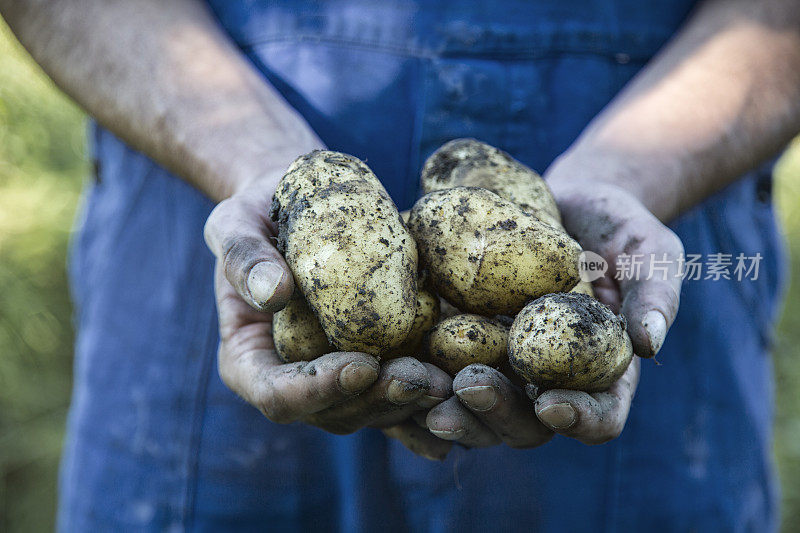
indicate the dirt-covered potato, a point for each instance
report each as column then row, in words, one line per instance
column 351, row 254
column 471, row 163
column 297, row 333
column 584, row 287
column 427, row 314
column 485, row 255
column 461, row 340
column 569, row 341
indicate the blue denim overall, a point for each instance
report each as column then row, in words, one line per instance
column 155, row 440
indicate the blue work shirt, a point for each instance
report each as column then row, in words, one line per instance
column 155, row 440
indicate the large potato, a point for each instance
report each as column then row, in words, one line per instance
column 351, row 254
column 569, row 341
column 461, row 340
column 471, row 163
column 485, row 255
column 297, row 333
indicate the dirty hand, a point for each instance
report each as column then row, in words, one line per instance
column 489, row 409
column 339, row 392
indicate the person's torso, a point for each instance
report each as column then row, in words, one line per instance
column 390, row 81
column 156, row 438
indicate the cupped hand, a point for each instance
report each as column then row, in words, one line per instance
column 488, row 408
column 339, row 392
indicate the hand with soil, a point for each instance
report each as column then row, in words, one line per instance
column 340, row 392
column 489, row 409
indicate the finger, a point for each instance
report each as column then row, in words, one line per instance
column 285, row 393
column 606, row 290
column 501, row 406
column 632, row 233
column 419, row 441
column 240, row 235
column 249, row 365
column 441, row 387
column 590, row 418
column 650, row 300
column 453, row 422
column 391, row 399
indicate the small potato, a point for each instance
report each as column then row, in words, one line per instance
column 297, row 334
column 569, row 341
column 584, row 287
column 351, row 255
column 471, row 163
column 427, row 314
column 461, row 340
column 485, row 255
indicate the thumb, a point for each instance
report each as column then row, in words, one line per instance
column 650, row 299
column 240, row 234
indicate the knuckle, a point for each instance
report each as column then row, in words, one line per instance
column 236, row 249
column 215, row 224
column 672, row 241
column 239, row 253
column 677, row 244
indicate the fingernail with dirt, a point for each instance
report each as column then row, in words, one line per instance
column 402, row 392
column 357, row 376
column 558, row 415
column 448, row 435
column 478, row 398
column 262, row 282
column 656, row 327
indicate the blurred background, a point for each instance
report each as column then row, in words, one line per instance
column 42, row 166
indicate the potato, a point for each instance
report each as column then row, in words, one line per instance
column 351, row 255
column 471, row 163
column 427, row 314
column 461, row 340
column 569, row 341
column 297, row 333
column 485, row 255
column 584, row 287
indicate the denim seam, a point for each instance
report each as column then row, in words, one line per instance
column 199, row 398
column 725, row 240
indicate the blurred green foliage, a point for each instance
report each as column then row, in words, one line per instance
column 42, row 166
column 787, row 345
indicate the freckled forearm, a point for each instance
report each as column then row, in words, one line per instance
column 721, row 98
column 161, row 76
